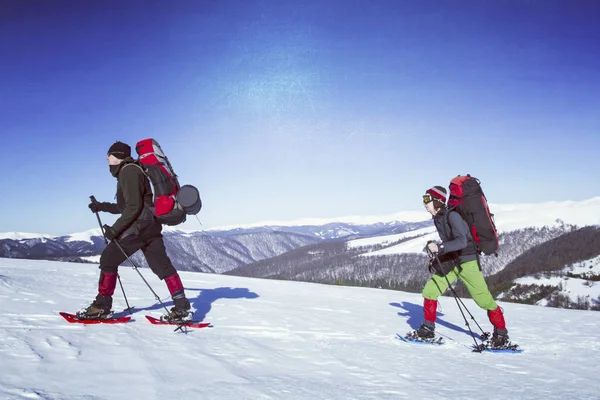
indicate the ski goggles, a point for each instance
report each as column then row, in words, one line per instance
column 427, row 198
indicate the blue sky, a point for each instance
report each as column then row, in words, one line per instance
column 283, row 109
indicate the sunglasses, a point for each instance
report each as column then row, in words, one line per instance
column 427, row 198
column 118, row 154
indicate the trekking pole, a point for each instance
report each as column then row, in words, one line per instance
column 458, row 299
column 93, row 199
column 466, row 309
column 458, row 303
column 181, row 323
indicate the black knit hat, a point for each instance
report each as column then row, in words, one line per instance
column 120, row 150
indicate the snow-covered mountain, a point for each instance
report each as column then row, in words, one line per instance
column 329, row 230
column 206, row 251
column 274, row 340
column 387, row 252
column 541, row 274
column 188, row 251
column 404, row 217
column 508, row 217
column 575, row 286
column 398, row 262
column 49, row 248
column 22, row 235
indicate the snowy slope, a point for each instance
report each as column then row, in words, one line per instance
column 573, row 288
column 581, row 285
column 388, row 239
column 418, row 240
column 274, row 340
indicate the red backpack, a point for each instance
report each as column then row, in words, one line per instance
column 171, row 202
column 466, row 197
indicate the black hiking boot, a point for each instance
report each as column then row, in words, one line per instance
column 426, row 331
column 181, row 309
column 499, row 339
column 99, row 309
column 178, row 313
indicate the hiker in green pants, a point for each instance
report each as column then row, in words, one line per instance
column 458, row 260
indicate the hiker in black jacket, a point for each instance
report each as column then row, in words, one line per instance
column 136, row 229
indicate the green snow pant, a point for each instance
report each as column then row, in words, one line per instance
column 473, row 279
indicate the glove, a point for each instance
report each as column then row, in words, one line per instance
column 109, row 232
column 433, row 247
column 97, row 206
column 94, row 207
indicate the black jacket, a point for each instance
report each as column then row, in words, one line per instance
column 134, row 199
column 456, row 237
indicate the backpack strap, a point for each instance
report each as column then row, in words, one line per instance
column 456, row 257
column 148, row 207
column 137, row 165
column 447, row 222
column 125, row 166
column 469, row 238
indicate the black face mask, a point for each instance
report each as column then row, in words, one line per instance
column 114, row 169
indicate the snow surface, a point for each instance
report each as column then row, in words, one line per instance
column 387, row 239
column 419, row 237
column 415, row 245
column 571, row 287
column 274, row 340
column 591, row 266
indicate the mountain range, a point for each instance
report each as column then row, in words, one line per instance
column 375, row 251
column 217, row 250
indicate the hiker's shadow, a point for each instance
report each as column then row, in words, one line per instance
column 414, row 312
column 203, row 302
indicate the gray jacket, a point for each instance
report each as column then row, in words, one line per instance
column 455, row 235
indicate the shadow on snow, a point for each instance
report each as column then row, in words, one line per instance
column 203, row 302
column 414, row 312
